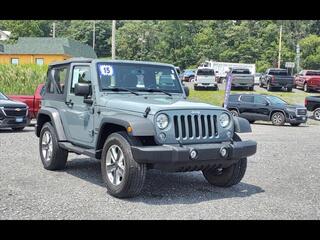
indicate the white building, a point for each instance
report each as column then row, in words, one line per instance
column 4, row 35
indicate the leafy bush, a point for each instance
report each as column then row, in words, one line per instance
column 21, row 79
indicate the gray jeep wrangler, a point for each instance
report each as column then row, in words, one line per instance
column 134, row 116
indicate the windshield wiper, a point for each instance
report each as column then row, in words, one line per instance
column 121, row 89
column 154, row 90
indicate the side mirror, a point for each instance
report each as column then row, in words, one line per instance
column 82, row 89
column 186, row 90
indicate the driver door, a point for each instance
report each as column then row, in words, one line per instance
column 79, row 115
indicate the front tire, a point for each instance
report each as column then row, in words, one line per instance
column 269, row 88
column 278, row 119
column 122, row 175
column 305, row 87
column 227, row 177
column 52, row 156
column 234, row 113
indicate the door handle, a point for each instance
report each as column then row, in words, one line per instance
column 69, row 103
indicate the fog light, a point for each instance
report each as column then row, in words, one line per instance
column 162, row 137
column 193, row 154
column 223, row 152
column 229, row 134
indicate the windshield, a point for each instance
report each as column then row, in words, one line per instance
column 313, row 73
column 276, row 100
column 240, row 71
column 205, row 72
column 3, row 97
column 278, row 72
column 138, row 77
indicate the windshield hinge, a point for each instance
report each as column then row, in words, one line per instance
column 146, row 112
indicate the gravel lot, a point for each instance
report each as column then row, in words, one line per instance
column 282, row 182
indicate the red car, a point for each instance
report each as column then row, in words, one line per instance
column 308, row 80
column 33, row 102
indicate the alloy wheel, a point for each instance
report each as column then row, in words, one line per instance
column 317, row 114
column 47, row 146
column 277, row 118
column 115, row 165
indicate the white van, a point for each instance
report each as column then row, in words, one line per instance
column 205, row 78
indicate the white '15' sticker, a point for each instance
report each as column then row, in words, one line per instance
column 106, row 70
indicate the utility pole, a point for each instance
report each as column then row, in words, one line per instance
column 113, row 39
column 54, row 30
column 94, row 34
column 280, row 39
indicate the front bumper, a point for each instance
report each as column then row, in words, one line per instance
column 207, row 154
column 10, row 122
column 295, row 119
column 206, row 85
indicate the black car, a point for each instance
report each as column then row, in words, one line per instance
column 13, row 114
column 255, row 107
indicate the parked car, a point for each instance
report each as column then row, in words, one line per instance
column 13, row 114
column 254, row 107
column 241, row 78
column 188, row 75
column 257, row 78
column 276, row 78
column 312, row 103
column 308, row 80
column 205, row 79
column 32, row 101
column 102, row 113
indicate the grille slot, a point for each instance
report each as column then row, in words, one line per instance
column 301, row 111
column 194, row 126
column 13, row 112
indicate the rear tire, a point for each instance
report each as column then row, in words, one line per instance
column 316, row 114
column 269, row 88
column 227, row 177
column 234, row 113
column 278, row 119
column 53, row 157
column 124, row 177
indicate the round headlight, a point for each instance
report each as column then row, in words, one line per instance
column 224, row 120
column 162, row 121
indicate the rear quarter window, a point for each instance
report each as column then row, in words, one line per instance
column 233, row 98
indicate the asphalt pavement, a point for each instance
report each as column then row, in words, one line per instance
column 281, row 182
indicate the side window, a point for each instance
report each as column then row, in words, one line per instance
column 80, row 74
column 246, row 99
column 57, row 84
column 260, row 100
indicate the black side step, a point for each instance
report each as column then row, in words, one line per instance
column 79, row 150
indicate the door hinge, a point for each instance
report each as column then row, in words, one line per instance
column 91, row 133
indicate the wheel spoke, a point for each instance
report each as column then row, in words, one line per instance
column 111, row 167
column 113, row 154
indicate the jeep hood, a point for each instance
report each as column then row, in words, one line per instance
column 156, row 103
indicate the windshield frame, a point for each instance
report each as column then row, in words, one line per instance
column 179, row 89
column 3, row 97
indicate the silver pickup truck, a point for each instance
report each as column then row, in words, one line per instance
column 242, row 78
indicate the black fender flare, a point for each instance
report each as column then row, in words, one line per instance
column 55, row 119
column 140, row 126
column 241, row 125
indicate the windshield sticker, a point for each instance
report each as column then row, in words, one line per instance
column 106, row 70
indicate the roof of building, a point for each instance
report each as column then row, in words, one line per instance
column 46, row 45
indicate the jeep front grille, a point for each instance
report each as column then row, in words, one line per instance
column 195, row 126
